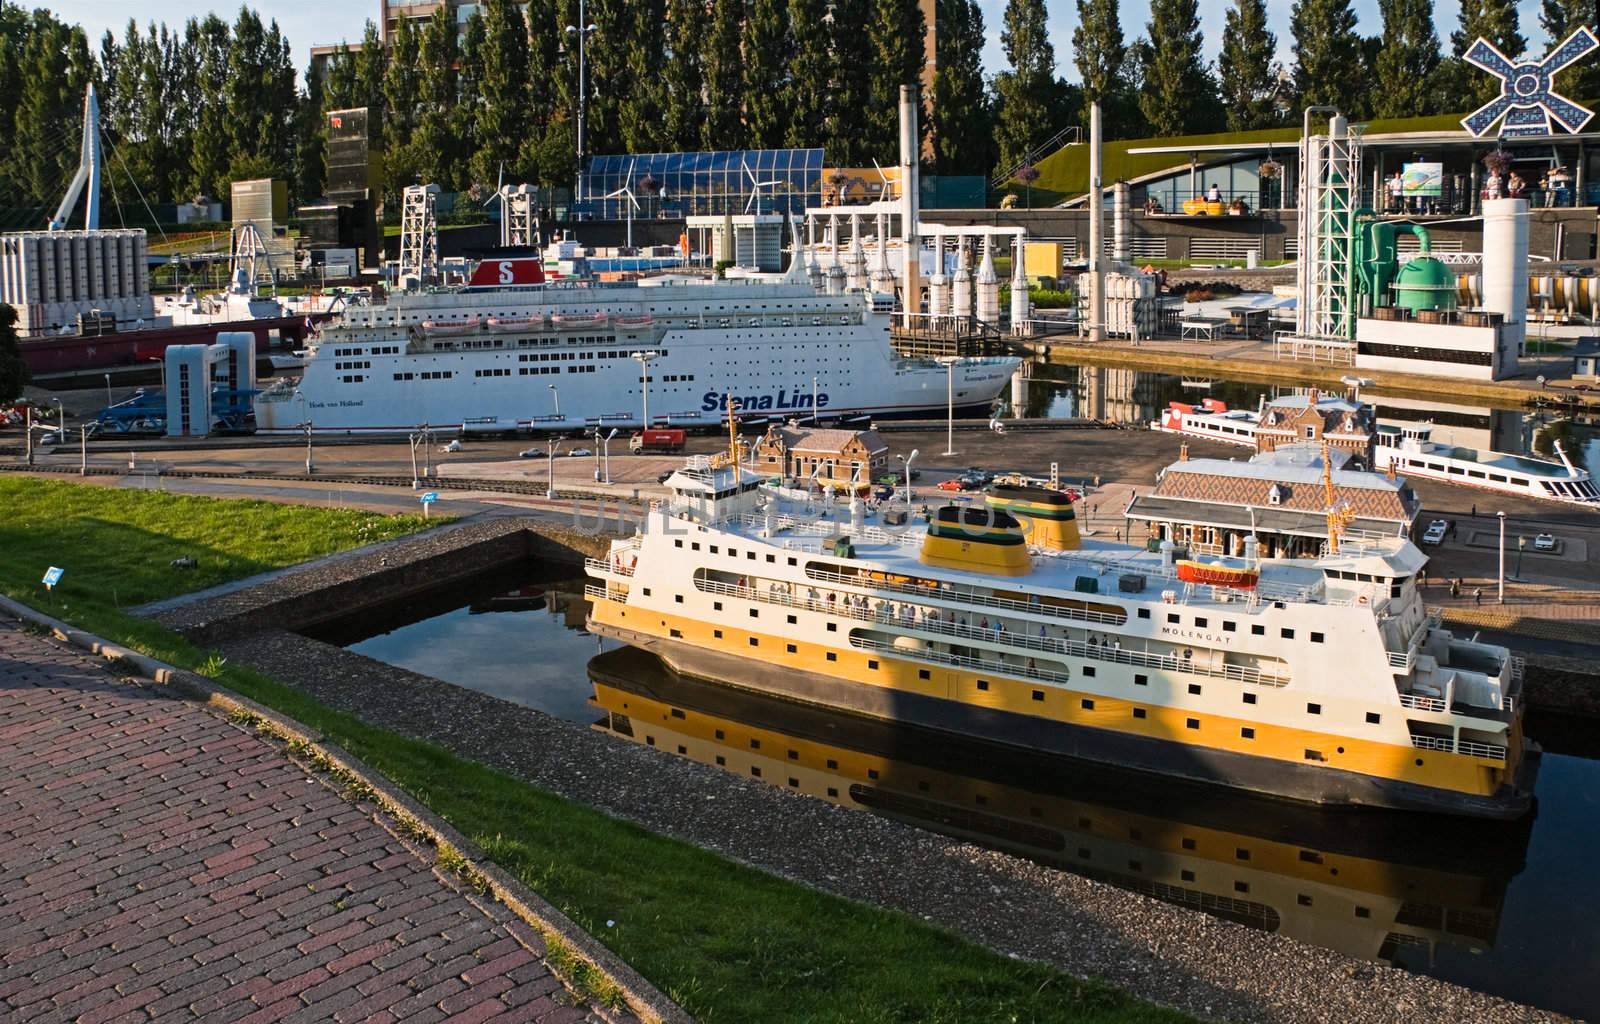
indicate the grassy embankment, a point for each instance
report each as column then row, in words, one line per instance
column 729, row 943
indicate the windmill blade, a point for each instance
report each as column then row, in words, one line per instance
column 1575, row 47
column 747, row 172
column 1570, row 116
column 1524, row 121
column 1481, row 120
column 1483, row 54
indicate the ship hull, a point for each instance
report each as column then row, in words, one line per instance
column 76, row 353
column 1263, row 776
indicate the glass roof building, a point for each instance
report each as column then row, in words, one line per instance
column 684, row 184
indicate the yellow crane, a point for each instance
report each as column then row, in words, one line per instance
column 1340, row 513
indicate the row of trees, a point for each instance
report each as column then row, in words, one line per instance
column 1162, row 85
column 184, row 111
column 188, row 110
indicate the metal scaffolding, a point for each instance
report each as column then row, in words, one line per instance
column 1329, row 190
column 419, row 237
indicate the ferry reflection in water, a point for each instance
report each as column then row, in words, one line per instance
column 1364, row 883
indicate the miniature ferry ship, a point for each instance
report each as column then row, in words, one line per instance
column 1327, row 681
column 513, row 352
column 1410, row 449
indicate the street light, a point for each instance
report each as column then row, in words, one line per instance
column 61, row 419
column 1502, row 584
column 108, row 390
column 556, row 393
column 551, row 447
column 908, row 459
column 605, row 448
column 645, row 359
column 597, row 446
column 950, row 406
column 583, row 90
column 306, row 426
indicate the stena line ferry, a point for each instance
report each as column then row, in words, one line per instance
column 513, row 351
column 1324, row 680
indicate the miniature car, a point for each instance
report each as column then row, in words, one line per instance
column 581, row 451
column 1435, row 532
column 1544, row 542
column 531, row 453
column 953, row 484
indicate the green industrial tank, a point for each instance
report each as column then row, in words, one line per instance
column 1425, row 283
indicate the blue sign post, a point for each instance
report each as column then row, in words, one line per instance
column 427, row 499
column 52, row 576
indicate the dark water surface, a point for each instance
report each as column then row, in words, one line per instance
column 1511, row 909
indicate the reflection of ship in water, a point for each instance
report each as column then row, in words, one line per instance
column 1363, row 883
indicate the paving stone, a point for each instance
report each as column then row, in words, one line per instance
column 158, row 862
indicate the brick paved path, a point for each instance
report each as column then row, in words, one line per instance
column 160, row 863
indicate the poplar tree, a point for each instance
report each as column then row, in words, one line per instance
column 641, row 105
column 1464, row 87
column 898, row 33
column 502, row 117
column 1407, row 60
column 1245, row 75
column 13, row 371
column 311, row 138
column 1023, row 91
column 438, row 154
column 723, row 126
column 848, row 122
column 961, row 122
column 1328, row 66
column 811, row 70
column 1177, row 94
column 1098, row 49
column 469, row 92
column 402, row 83
column 207, row 43
column 684, row 73
column 768, row 49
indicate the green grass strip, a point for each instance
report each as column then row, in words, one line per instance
column 729, row 943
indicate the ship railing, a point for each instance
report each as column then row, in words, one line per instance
column 1010, row 638
column 600, row 567
column 1406, row 660
column 1471, row 748
column 1418, row 702
column 962, row 661
column 958, row 597
column 1519, row 667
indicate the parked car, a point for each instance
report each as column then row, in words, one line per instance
column 953, row 484
column 576, row 452
column 1544, row 542
column 531, row 453
column 883, row 492
column 974, row 481
column 1435, row 532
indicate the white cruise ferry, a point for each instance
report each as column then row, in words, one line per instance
column 1324, row 680
column 512, row 352
column 1410, row 449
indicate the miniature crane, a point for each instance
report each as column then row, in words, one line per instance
column 1340, row 514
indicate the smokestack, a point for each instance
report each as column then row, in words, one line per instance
column 1121, row 222
column 938, row 284
column 961, row 285
column 910, row 201
column 1505, row 274
column 988, row 286
column 1097, row 280
column 1020, row 305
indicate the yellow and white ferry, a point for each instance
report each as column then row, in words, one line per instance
column 1326, row 680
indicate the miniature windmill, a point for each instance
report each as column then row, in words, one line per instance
column 756, row 187
column 1528, row 100
column 633, row 204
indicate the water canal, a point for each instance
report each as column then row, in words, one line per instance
column 1135, row 397
column 1506, row 909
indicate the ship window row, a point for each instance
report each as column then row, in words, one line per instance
column 1439, row 467
column 536, row 370
column 493, row 372
column 580, row 369
column 355, row 364
column 1432, row 355
column 354, row 378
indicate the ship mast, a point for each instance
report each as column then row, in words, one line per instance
column 733, row 440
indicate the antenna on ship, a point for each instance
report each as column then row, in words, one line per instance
column 733, row 440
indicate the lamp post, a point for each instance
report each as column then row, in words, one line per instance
column 305, row 425
column 597, row 446
column 582, row 31
column 61, row 420
column 551, row 446
column 950, row 403
column 555, row 393
column 1522, row 543
column 1502, row 582
column 908, row 459
column 605, row 448
column 645, row 359
column 108, row 390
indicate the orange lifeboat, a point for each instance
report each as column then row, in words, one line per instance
column 1219, row 572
